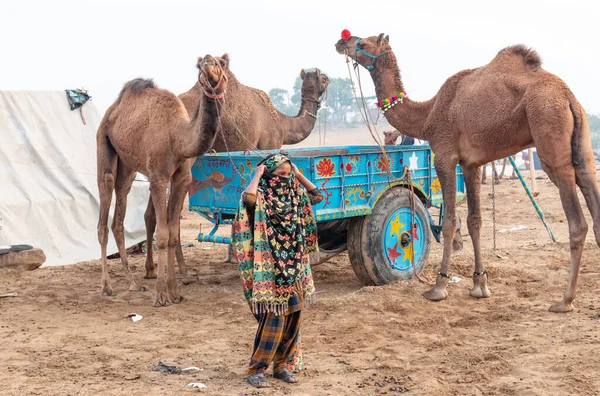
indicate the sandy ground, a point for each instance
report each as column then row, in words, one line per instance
column 60, row 337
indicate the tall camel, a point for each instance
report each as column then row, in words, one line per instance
column 483, row 114
column 249, row 119
column 148, row 130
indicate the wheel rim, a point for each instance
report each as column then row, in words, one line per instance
column 398, row 241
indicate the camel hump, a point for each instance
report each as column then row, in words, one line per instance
column 529, row 55
column 137, row 85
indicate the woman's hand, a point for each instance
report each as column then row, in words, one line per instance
column 259, row 170
column 295, row 169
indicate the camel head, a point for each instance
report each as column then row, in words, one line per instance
column 364, row 51
column 390, row 137
column 213, row 75
column 314, row 85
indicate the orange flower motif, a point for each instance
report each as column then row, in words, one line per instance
column 325, row 167
column 383, row 163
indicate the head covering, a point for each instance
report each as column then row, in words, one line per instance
column 272, row 248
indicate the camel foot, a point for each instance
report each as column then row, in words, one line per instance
column 457, row 243
column 150, row 274
column 135, row 287
column 161, row 299
column 107, row 291
column 480, row 289
column 438, row 292
column 175, row 298
column 189, row 279
column 561, row 307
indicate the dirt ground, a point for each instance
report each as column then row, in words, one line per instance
column 60, row 337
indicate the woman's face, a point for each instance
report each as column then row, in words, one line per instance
column 283, row 170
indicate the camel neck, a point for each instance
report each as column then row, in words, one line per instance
column 409, row 116
column 299, row 127
column 203, row 127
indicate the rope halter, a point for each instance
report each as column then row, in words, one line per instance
column 373, row 57
column 212, row 94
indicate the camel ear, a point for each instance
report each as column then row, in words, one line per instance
column 199, row 62
column 302, row 74
column 225, row 61
column 386, row 39
column 318, row 72
column 380, row 38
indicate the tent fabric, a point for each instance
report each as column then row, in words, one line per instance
column 48, row 189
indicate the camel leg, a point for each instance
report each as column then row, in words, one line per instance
column 150, row 220
column 446, row 171
column 471, row 175
column 179, row 185
column 158, row 191
column 230, row 256
column 495, row 176
column 577, row 233
column 186, row 278
column 125, row 177
column 503, row 167
column 107, row 169
column 564, row 177
column 484, row 174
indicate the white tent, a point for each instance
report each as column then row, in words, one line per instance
column 48, row 191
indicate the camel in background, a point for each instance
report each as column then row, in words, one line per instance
column 487, row 113
column 249, row 120
column 148, row 130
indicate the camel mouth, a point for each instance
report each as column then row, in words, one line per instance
column 340, row 46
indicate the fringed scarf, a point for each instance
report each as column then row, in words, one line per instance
column 272, row 249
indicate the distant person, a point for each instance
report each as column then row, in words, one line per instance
column 407, row 141
column 390, row 138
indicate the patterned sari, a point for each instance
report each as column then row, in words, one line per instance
column 272, row 248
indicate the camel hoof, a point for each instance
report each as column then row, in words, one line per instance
column 189, row 279
column 436, row 294
column 161, row 300
column 480, row 292
column 108, row 293
column 151, row 275
column 177, row 299
column 561, row 307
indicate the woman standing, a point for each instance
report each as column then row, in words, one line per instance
column 273, row 233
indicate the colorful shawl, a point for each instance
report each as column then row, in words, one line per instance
column 272, row 248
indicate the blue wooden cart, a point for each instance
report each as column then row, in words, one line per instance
column 368, row 205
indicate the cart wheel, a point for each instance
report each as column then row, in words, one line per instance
column 379, row 245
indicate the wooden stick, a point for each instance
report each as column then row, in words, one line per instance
column 532, row 172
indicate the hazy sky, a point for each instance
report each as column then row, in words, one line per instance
column 99, row 45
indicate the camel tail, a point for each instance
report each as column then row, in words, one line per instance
column 579, row 145
column 137, row 85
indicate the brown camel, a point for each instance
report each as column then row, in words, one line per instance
column 148, row 130
column 483, row 114
column 250, row 120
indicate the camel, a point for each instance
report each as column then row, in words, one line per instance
column 487, row 113
column 148, row 130
column 249, row 121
